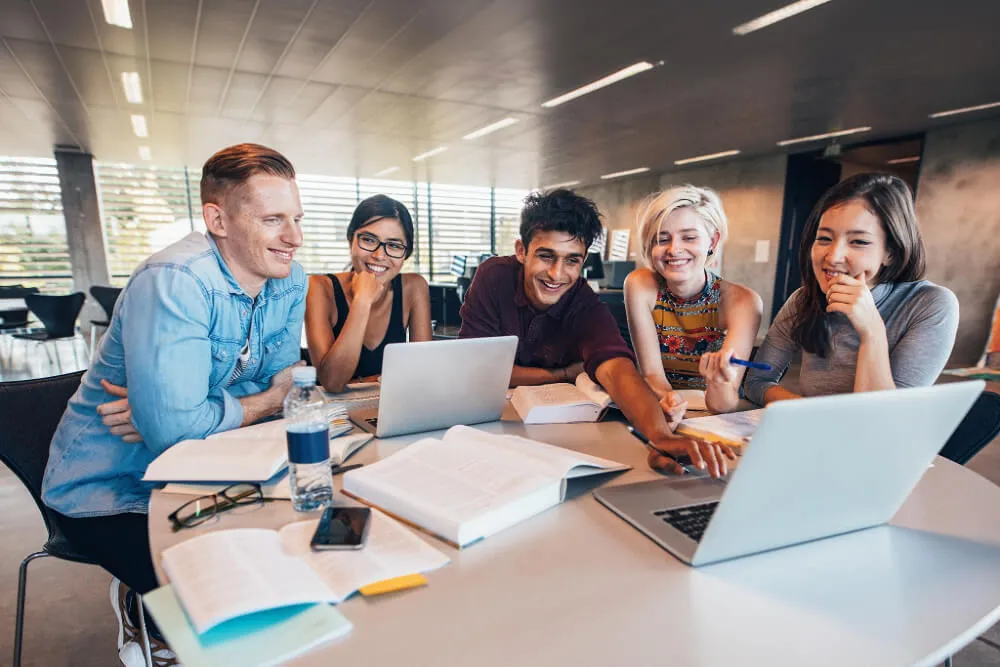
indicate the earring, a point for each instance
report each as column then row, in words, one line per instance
column 711, row 252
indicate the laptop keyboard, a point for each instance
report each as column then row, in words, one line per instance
column 691, row 520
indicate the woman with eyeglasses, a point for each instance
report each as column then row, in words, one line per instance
column 352, row 316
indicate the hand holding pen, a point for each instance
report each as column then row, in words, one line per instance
column 680, row 454
column 718, row 367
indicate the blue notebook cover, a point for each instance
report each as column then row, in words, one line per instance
column 257, row 640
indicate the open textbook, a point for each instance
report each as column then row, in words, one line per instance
column 561, row 402
column 228, row 574
column 471, row 484
column 249, row 454
column 734, row 428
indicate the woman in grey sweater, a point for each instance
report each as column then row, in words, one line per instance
column 863, row 319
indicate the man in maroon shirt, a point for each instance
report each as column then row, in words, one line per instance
column 562, row 327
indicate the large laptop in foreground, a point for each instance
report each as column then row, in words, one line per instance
column 816, row 467
column 438, row 384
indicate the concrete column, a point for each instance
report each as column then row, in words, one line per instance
column 84, row 231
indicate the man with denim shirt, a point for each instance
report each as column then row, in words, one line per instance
column 203, row 338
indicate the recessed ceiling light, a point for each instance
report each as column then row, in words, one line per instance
column 145, row 153
column 387, row 171
column 139, row 125
column 483, row 131
column 614, row 77
column 955, row 112
column 828, row 135
column 116, row 13
column 430, row 153
column 567, row 184
column 904, row 160
column 133, row 87
column 627, row 172
column 781, row 14
column 710, row 156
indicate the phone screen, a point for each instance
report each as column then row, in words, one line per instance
column 342, row 528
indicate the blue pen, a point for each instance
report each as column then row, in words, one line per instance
column 750, row 364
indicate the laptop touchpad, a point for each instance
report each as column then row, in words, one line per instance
column 701, row 489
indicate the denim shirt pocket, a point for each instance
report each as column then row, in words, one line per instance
column 225, row 354
column 274, row 343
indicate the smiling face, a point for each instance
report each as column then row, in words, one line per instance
column 552, row 264
column 258, row 229
column 680, row 247
column 850, row 239
column 386, row 231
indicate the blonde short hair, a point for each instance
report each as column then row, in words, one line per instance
column 704, row 202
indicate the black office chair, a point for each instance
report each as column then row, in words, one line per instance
column 58, row 316
column 30, row 411
column 621, row 319
column 106, row 297
column 976, row 430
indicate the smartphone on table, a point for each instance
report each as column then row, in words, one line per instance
column 342, row 528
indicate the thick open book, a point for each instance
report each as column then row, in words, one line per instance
column 249, row 454
column 734, row 428
column 228, row 574
column 561, row 402
column 471, row 484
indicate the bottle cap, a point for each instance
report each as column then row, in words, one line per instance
column 304, row 375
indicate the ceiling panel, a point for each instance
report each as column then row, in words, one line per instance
column 350, row 87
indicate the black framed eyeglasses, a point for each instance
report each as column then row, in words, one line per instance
column 393, row 249
column 201, row 509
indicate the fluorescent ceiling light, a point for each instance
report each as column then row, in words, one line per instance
column 781, row 14
column 828, row 135
column 904, row 160
column 133, row 87
column 954, row 112
column 615, row 77
column 430, row 153
column 139, row 125
column 387, row 171
column 483, row 131
column 628, row 172
column 144, row 153
column 710, row 156
column 567, row 184
column 116, row 13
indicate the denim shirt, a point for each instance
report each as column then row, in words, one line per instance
column 174, row 340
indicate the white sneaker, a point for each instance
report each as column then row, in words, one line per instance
column 130, row 650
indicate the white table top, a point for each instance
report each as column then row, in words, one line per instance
column 578, row 586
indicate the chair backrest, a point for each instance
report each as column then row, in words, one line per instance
column 16, row 291
column 106, row 296
column 57, row 313
column 30, row 410
column 621, row 319
column 976, row 430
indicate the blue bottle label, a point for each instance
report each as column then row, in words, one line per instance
column 308, row 446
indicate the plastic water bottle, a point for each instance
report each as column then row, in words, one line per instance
column 308, row 433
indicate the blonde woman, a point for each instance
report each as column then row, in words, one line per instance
column 686, row 322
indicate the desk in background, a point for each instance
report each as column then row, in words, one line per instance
column 576, row 585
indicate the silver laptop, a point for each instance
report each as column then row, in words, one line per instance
column 438, row 384
column 816, row 467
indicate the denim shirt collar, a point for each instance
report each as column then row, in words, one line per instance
column 234, row 287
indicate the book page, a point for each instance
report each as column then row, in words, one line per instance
column 555, row 461
column 735, row 427
column 221, row 575
column 593, row 391
column 556, row 394
column 391, row 550
column 250, row 454
column 341, row 447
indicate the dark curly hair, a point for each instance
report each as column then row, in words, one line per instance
column 891, row 201
column 560, row 211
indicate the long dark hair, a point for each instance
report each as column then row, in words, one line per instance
column 890, row 200
column 377, row 207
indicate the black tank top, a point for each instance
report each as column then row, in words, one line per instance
column 370, row 361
